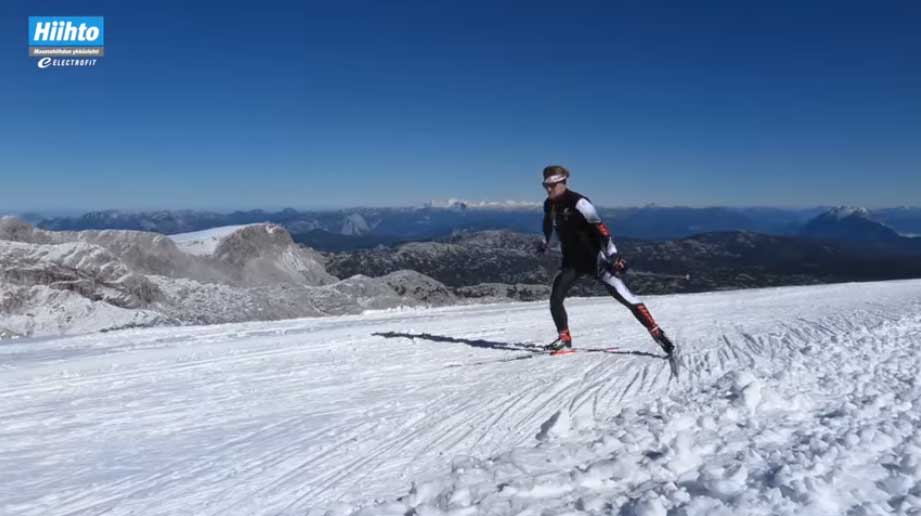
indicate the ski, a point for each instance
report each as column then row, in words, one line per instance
column 570, row 351
column 541, row 350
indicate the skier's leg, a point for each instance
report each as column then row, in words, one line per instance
column 563, row 281
column 618, row 289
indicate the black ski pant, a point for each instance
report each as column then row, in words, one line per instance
column 567, row 277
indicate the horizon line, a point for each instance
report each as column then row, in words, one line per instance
column 486, row 206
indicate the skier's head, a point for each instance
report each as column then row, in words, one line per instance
column 555, row 178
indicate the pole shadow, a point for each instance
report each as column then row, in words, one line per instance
column 476, row 343
column 505, row 346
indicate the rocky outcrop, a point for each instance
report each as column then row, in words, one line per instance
column 518, row 292
column 262, row 254
column 85, row 269
column 6, row 334
column 418, row 286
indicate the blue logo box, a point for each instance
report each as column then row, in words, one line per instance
column 66, row 31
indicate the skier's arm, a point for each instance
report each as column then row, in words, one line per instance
column 548, row 222
column 591, row 216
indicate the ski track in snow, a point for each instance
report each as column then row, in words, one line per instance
column 801, row 400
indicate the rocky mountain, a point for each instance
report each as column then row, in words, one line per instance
column 848, row 224
column 237, row 255
column 859, row 229
column 56, row 282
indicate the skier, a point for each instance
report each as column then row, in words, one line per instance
column 588, row 249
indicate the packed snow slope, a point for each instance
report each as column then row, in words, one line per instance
column 802, row 400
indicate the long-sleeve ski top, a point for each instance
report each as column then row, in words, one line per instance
column 580, row 229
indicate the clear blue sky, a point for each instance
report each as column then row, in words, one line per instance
column 270, row 104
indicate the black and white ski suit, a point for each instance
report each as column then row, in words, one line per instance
column 587, row 250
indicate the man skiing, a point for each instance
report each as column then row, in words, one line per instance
column 588, row 249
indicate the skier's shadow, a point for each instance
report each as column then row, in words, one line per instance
column 491, row 344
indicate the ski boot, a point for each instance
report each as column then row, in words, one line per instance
column 561, row 345
column 662, row 340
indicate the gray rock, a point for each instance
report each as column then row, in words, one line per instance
column 420, row 287
column 518, row 292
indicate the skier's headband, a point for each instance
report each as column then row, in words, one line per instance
column 552, row 180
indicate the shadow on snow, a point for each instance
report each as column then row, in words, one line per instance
column 505, row 346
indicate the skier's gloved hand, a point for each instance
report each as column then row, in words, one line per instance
column 617, row 265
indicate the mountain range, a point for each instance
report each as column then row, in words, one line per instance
column 62, row 282
column 362, row 228
column 55, row 282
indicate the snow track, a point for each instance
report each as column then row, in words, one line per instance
column 792, row 400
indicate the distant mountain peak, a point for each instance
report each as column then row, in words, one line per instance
column 848, row 223
column 842, row 212
column 495, row 205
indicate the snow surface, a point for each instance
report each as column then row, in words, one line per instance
column 205, row 242
column 798, row 400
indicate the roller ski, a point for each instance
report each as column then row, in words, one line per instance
column 561, row 346
column 587, row 249
column 668, row 347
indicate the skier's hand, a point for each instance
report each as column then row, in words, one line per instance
column 617, row 265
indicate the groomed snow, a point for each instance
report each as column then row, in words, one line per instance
column 802, row 400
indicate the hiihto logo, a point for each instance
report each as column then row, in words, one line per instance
column 66, row 41
column 65, row 31
column 71, row 31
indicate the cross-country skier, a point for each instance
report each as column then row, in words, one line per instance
column 589, row 250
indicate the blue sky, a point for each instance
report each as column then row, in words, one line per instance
column 314, row 105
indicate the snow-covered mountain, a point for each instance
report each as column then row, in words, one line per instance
column 54, row 283
column 492, row 205
column 791, row 401
column 355, row 225
column 850, row 224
